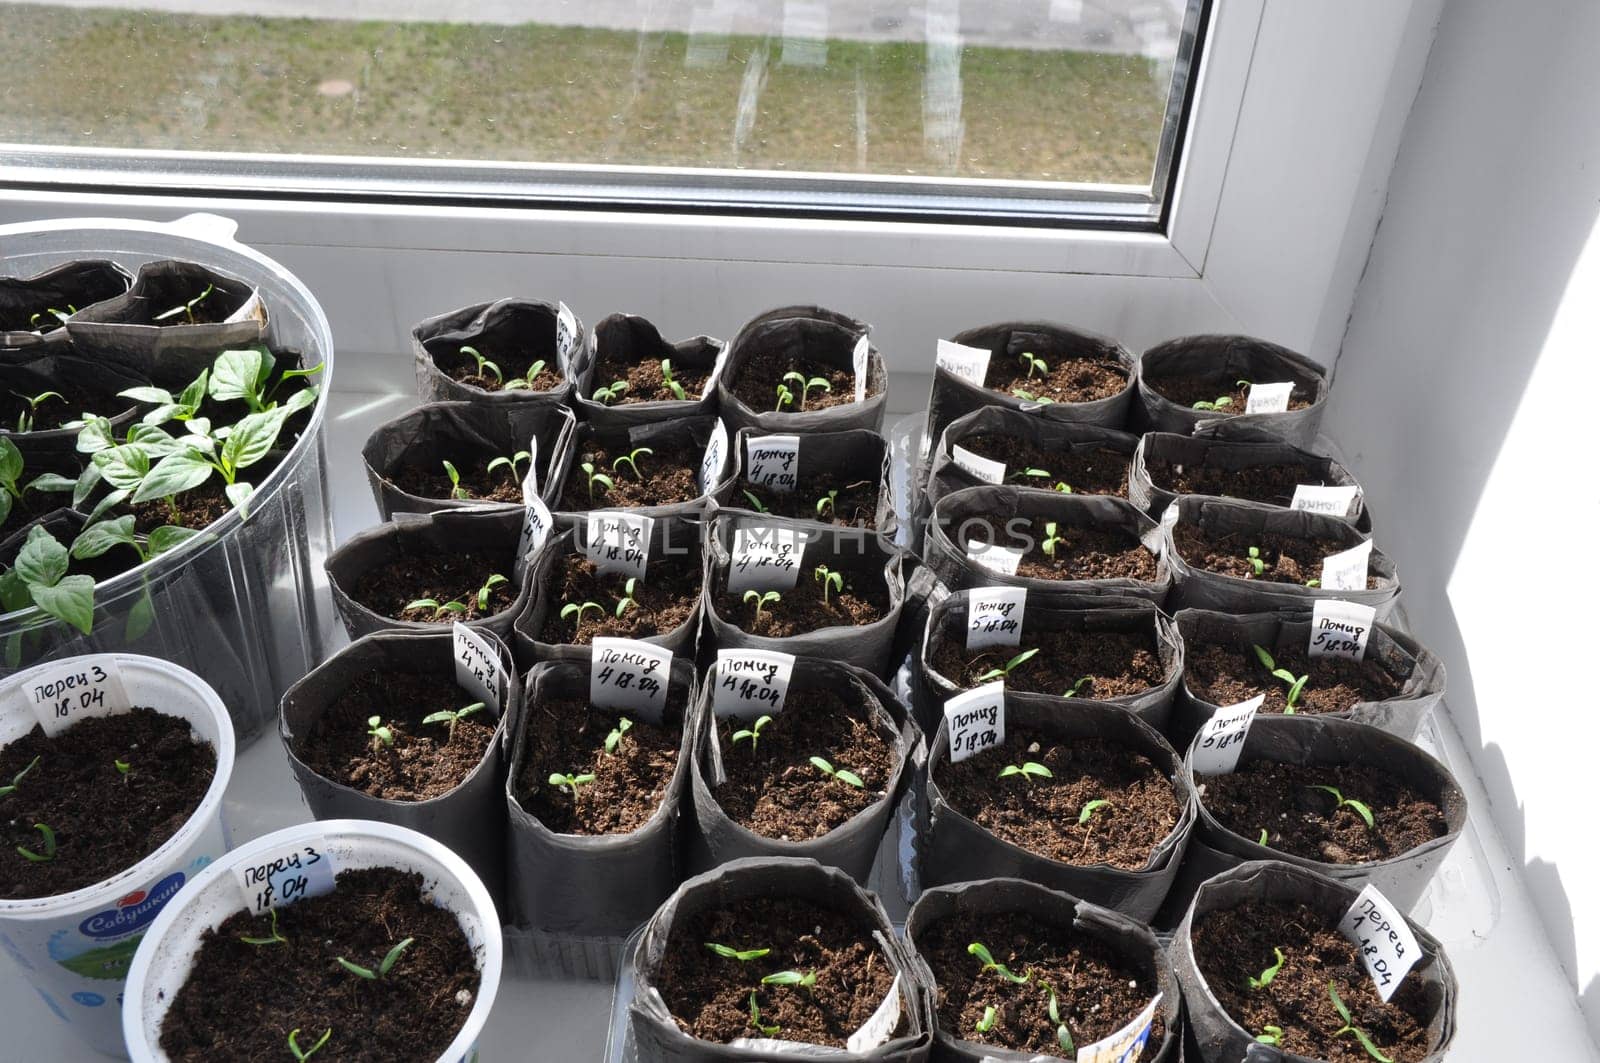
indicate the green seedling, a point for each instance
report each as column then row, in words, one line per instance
column 12, row 489
column 37, row 320
column 458, row 607
column 49, row 835
column 1296, row 684
column 510, row 463
column 571, row 782
column 1313, row 583
column 105, row 535
column 1064, row 488
column 1350, row 1027
column 1005, row 670
column 728, row 952
column 1053, row 1009
column 1265, row 978
column 669, row 383
column 1028, row 396
column 1051, row 540
column 1360, row 809
column 16, row 780
column 1077, row 688
column 451, row 717
column 596, row 477
column 985, row 957
column 1034, row 363
column 124, row 769
column 276, row 938
column 761, row 599
column 389, row 960
column 485, row 591
column 574, row 611
column 826, row 504
column 456, row 490
column 381, row 735
column 610, row 393
column 755, row 503
column 1030, row 474
column 991, row 1019
column 792, row 978
column 1258, row 564
column 1091, row 807
column 186, row 309
column 755, row 1018
column 828, row 578
column 751, row 734
column 1028, row 770
column 1270, row 1035
column 1222, row 402
column 303, row 1054
column 246, row 376
column 1262, row 840
column 631, row 460
column 628, row 600
column 38, row 578
column 806, row 385
column 25, row 419
column 486, row 368
column 614, row 739
column 848, row 777
column 525, row 381
column 785, row 397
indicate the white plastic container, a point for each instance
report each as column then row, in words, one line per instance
column 162, row 963
column 75, row 948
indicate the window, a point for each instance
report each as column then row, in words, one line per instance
column 1035, row 110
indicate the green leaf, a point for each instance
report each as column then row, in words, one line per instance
column 1090, row 808
column 252, row 438
column 5, row 505
column 141, row 616
column 88, row 479
column 850, row 777
column 51, row 482
column 95, row 435
column 195, row 393
column 169, row 537
column 96, row 539
column 822, row 765
column 1338, row 1004
column 173, row 475
column 235, row 375
column 157, row 441
column 157, row 395
column 300, row 400
column 71, row 601
column 1265, row 658
column 10, row 461
column 123, row 466
column 42, row 561
column 239, row 493
column 112, row 500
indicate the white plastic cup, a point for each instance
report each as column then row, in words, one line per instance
column 75, row 948
column 164, row 960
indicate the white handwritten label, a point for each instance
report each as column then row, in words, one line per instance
column 1388, row 947
column 1268, row 398
column 77, row 688
column 292, row 872
column 1321, row 498
column 616, row 541
column 536, row 524
column 566, row 333
column 1001, row 560
column 1340, row 629
column 478, row 666
column 969, row 363
column 985, row 469
column 1127, row 1043
column 716, row 458
column 530, row 482
column 1221, row 739
column 880, row 1026
column 765, row 558
column 858, row 364
column 1347, row 570
column 977, row 720
column 630, row 674
column 994, row 616
column 772, row 462
column 751, row 683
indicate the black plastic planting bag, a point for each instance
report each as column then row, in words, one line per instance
column 629, row 339
column 673, row 541
column 1131, row 941
column 852, row 845
column 527, row 324
column 1419, row 672
column 59, row 368
column 867, row 646
column 653, row 1036
column 954, row 396
column 1236, row 358
column 139, row 331
column 848, row 456
column 803, row 332
column 683, row 439
column 1243, row 522
column 956, row 849
column 1220, row 1038
column 947, row 622
column 470, row 819
column 32, row 308
column 449, row 531
column 456, row 431
column 1160, row 449
column 598, row 887
column 985, row 515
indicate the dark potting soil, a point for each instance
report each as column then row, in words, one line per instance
column 663, row 478
column 512, row 361
column 76, row 401
column 1286, row 559
column 665, row 597
column 774, row 790
column 1042, row 814
column 1283, row 800
column 431, row 481
column 1098, row 992
column 444, row 577
column 1068, row 379
column 31, row 506
column 196, row 508
column 1186, row 389
column 105, row 821
column 1083, row 553
column 1271, row 483
column 568, row 737
column 1234, row 945
column 423, row 762
column 762, row 372
column 709, row 995
column 646, row 383
column 242, row 1001
column 1223, row 675
column 1095, row 664
column 1087, row 470
column 855, row 505
column 865, row 599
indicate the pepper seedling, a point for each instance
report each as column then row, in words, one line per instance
column 669, row 383
column 456, row 490
column 389, row 960
column 614, row 739
column 486, row 368
column 1053, row 1009
column 1222, row 402
column 1265, row 978
column 451, row 717
column 761, row 599
column 186, row 309
column 38, row 578
column 12, row 489
column 828, row 578
column 755, row 1018
column 596, row 477
column 1297, row 684
column 571, row 782
column 303, row 1054
column 728, row 952
column 610, row 393
column 1270, row 1035
column 1028, row 770
column 574, row 611
column 37, row 319
column 985, row 957
column 847, row 777
column 16, row 780
column 1258, row 564
column 1091, row 807
column 755, row 503
column 806, row 384
column 276, row 938
column 25, row 419
column 1360, row 809
column 751, row 734
column 510, row 461
column 991, row 1019
column 49, row 835
column 1030, row 474
column 1034, row 363
column 1051, row 540
column 792, row 978
column 124, row 769
column 1005, row 670
column 628, row 600
column 631, row 460
column 246, row 375
column 1077, row 688
column 1028, row 396
column 1350, row 1027
column 1262, row 840
column 525, row 381
column 381, row 735
column 826, row 504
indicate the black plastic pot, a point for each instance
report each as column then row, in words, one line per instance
column 633, row 339
column 851, row 454
column 653, row 1036
column 51, row 366
column 816, row 333
column 1219, row 1037
column 470, row 819
column 531, row 322
column 68, row 288
column 1238, row 357
column 426, row 435
column 985, row 514
column 494, row 530
column 1048, row 909
column 1196, row 588
column 682, row 437
column 957, row 849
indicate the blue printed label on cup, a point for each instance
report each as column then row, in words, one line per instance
column 133, row 912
